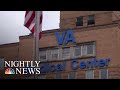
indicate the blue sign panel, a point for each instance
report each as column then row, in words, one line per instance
column 66, row 37
column 74, row 65
column 45, row 68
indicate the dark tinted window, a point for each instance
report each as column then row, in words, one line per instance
column 91, row 19
column 79, row 21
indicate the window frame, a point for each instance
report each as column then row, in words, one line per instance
column 2, row 60
column 57, row 74
column 63, row 54
column 91, row 20
column 43, row 60
column 93, row 74
column 42, row 76
column 75, row 75
column 93, row 53
column 79, row 23
column 100, row 73
column 84, row 52
column 29, row 77
column 69, row 53
column 80, row 51
column 57, row 53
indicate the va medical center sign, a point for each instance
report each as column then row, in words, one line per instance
column 74, row 65
column 63, row 39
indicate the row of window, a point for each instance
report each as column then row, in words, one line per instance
column 87, row 49
column 103, row 74
column 90, row 20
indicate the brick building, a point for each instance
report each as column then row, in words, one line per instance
column 86, row 46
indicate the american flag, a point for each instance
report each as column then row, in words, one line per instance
column 30, row 22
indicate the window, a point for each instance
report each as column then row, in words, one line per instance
column 1, row 63
column 30, row 77
column 90, row 49
column 79, row 21
column 72, row 75
column 42, row 76
column 91, row 20
column 89, row 74
column 78, row 51
column 43, row 55
column 66, row 53
column 103, row 73
column 58, row 76
column 54, row 54
column 83, row 50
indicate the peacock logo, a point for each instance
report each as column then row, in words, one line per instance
column 9, row 71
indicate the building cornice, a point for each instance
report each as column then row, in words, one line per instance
column 9, row 44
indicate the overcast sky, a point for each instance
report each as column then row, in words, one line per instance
column 12, row 24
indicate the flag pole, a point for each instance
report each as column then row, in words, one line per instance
column 37, row 18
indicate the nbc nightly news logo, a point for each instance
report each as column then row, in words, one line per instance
column 22, row 67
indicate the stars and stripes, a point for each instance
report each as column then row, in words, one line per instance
column 30, row 21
